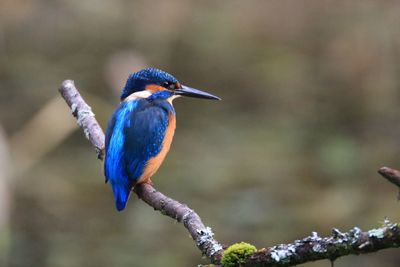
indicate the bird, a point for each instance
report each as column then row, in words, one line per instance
column 140, row 131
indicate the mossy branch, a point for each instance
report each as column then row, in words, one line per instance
column 311, row 248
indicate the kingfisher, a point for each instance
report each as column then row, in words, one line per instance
column 140, row 132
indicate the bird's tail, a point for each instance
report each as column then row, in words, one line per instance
column 121, row 195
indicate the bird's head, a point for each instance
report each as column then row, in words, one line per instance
column 152, row 82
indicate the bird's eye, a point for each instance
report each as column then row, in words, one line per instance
column 169, row 85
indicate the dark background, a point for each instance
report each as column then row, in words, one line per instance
column 310, row 111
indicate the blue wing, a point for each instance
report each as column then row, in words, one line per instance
column 134, row 135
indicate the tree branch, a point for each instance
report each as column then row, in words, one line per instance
column 311, row 248
column 392, row 176
column 339, row 244
column 202, row 235
column 84, row 116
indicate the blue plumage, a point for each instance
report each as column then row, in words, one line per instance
column 148, row 125
column 140, row 130
column 134, row 135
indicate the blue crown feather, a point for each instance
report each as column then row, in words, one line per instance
column 138, row 80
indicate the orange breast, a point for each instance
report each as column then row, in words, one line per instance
column 154, row 163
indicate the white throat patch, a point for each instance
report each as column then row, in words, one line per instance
column 171, row 98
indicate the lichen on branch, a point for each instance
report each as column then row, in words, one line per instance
column 339, row 244
column 308, row 249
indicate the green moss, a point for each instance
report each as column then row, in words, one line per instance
column 237, row 254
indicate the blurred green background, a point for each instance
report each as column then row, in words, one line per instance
column 310, row 111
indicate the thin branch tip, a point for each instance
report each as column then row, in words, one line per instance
column 392, row 175
column 66, row 84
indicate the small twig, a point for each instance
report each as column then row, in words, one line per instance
column 172, row 208
column 392, row 176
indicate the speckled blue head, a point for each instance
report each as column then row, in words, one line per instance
column 139, row 80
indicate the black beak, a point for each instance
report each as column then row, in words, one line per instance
column 191, row 92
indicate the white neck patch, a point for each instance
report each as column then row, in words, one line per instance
column 146, row 94
column 136, row 95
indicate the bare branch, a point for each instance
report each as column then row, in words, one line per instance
column 391, row 175
column 202, row 235
column 84, row 116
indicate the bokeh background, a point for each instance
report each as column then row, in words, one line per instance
column 310, row 111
